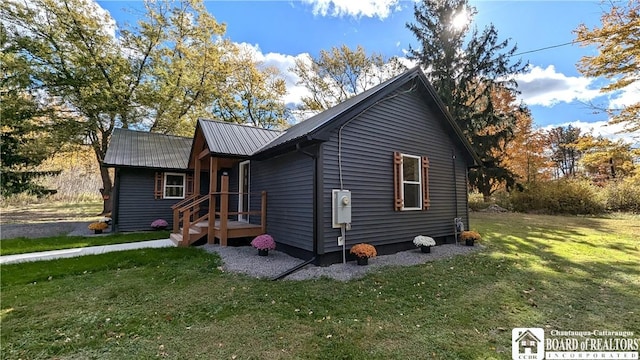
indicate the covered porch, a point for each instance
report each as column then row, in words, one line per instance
column 215, row 214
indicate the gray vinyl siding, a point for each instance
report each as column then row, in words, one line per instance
column 137, row 206
column 288, row 181
column 406, row 124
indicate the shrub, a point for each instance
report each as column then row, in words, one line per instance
column 623, row 195
column 559, row 197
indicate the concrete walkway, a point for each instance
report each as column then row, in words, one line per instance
column 91, row 250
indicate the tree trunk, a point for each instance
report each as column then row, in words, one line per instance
column 106, row 191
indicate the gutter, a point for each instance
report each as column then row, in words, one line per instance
column 315, row 215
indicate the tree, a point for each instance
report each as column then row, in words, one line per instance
column 525, row 155
column 618, row 42
column 564, row 153
column 29, row 131
column 466, row 76
column 258, row 93
column 161, row 74
column 341, row 73
column 603, row 159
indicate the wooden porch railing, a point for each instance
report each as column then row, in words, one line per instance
column 186, row 215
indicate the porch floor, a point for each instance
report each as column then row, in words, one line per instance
column 236, row 229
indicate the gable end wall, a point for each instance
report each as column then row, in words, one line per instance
column 406, row 124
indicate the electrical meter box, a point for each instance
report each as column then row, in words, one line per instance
column 341, row 207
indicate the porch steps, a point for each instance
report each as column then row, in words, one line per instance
column 196, row 232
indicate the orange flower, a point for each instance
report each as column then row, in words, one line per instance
column 98, row 226
column 363, row 250
column 470, row 235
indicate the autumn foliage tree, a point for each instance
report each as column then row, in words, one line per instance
column 604, row 159
column 525, row 154
column 160, row 74
column 618, row 58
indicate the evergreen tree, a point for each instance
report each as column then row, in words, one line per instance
column 466, row 74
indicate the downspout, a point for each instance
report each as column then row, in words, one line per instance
column 455, row 180
column 315, row 223
column 116, row 200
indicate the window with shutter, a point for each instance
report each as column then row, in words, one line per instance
column 425, row 183
column 159, row 186
column 174, row 186
column 411, row 182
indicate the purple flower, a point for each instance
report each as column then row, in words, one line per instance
column 263, row 242
column 159, row 224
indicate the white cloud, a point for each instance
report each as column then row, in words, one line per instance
column 628, row 95
column 354, row 8
column 547, row 87
column 602, row 128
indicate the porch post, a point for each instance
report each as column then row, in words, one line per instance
column 224, row 209
column 213, row 185
column 196, row 177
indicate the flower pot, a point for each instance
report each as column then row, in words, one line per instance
column 97, row 231
column 263, row 252
column 469, row 242
column 425, row 249
column 363, row 260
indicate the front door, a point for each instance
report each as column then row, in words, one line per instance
column 243, row 186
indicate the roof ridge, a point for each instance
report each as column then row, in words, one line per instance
column 155, row 133
column 239, row 124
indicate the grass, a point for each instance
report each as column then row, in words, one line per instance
column 50, row 211
column 26, row 245
column 565, row 273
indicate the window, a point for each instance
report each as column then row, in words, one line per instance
column 173, row 186
column 411, row 181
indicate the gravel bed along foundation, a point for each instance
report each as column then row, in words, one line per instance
column 245, row 260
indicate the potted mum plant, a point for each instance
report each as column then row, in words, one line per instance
column 363, row 252
column 159, row 224
column 263, row 243
column 469, row 237
column 98, row 227
column 424, row 243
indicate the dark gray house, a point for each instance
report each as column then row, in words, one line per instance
column 395, row 147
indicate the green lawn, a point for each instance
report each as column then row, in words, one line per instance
column 26, row 245
column 565, row 273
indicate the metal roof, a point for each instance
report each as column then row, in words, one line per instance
column 335, row 116
column 226, row 138
column 146, row 149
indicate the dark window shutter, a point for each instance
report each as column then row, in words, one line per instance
column 159, row 186
column 397, row 181
column 425, row 183
column 188, row 188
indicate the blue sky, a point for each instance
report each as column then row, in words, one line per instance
column 557, row 94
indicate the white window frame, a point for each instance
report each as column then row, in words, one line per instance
column 164, row 186
column 241, row 217
column 419, row 182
